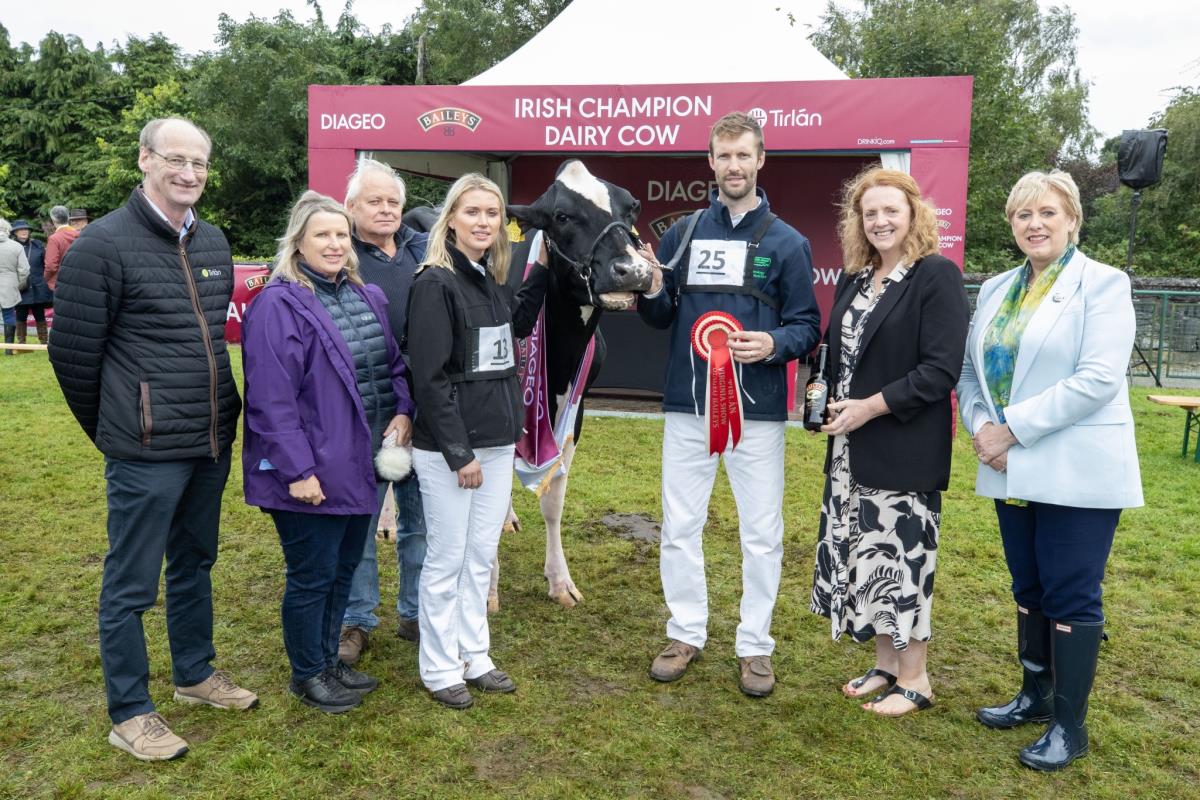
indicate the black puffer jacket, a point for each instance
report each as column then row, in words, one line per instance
column 454, row 416
column 138, row 342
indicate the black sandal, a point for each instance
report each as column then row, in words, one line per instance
column 858, row 683
column 920, row 701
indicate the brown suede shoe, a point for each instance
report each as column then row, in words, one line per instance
column 456, row 697
column 409, row 629
column 352, row 644
column 672, row 662
column 147, row 737
column 495, row 681
column 757, row 677
column 219, row 691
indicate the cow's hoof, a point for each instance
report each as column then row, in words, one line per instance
column 493, row 604
column 385, row 534
column 568, row 597
column 512, row 524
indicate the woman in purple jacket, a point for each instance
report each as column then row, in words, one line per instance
column 325, row 385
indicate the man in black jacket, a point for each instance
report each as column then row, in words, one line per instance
column 138, row 347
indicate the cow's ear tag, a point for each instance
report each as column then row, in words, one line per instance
column 514, row 231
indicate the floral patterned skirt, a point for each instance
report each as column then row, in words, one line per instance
column 876, row 555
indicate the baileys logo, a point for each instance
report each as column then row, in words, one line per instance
column 449, row 116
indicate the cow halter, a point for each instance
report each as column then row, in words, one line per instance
column 584, row 268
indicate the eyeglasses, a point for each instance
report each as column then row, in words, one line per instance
column 178, row 163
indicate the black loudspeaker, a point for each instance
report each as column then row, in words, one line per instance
column 1140, row 157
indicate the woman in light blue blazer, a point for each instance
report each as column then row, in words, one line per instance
column 1044, row 397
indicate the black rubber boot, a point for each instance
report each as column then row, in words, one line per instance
column 42, row 332
column 1035, row 701
column 1075, row 647
column 9, row 332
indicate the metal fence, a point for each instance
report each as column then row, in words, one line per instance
column 1168, row 334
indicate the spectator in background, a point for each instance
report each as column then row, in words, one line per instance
column 36, row 297
column 138, row 347
column 78, row 218
column 14, row 274
column 388, row 253
column 57, row 245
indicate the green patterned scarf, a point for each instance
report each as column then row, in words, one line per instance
column 1002, row 339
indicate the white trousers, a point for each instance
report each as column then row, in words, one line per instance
column 755, row 472
column 463, row 532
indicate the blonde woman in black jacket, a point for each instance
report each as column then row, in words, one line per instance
column 463, row 322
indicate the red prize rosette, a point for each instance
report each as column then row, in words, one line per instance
column 723, row 400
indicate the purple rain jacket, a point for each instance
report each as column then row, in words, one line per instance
column 303, row 412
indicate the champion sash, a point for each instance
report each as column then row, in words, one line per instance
column 723, row 398
column 539, row 450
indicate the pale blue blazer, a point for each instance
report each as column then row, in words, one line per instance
column 1069, row 405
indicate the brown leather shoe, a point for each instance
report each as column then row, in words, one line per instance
column 147, row 737
column 672, row 662
column 352, row 644
column 757, row 677
column 409, row 629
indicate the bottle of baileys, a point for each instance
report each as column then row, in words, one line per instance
column 816, row 394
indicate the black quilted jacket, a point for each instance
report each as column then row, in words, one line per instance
column 138, row 341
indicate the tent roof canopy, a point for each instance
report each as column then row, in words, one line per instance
column 631, row 42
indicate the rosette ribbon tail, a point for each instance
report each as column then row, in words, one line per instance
column 722, row 401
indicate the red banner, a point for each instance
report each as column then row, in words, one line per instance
column 877, row 114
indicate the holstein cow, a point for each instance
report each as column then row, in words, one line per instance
column 594, row 265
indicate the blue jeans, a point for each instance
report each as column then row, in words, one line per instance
column 410, row 555
column 1056, row 556
column 321, row 552
column 158, row 509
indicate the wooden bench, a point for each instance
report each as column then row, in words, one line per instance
column 1190, row 405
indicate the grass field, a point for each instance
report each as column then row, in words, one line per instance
column 587, row 721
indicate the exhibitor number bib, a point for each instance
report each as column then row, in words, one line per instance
column 716, row 262
column 493, row 352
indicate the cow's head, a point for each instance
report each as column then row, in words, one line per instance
column 588, row 225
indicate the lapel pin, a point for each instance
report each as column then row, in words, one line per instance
column 1058, row 298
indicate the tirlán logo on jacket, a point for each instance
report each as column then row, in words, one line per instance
column 449, row 116
column 211, row 272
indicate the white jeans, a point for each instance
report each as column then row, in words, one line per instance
column 463, row 531
column 755, row 472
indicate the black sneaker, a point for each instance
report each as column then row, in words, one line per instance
column 325, row 693
column 352, row 679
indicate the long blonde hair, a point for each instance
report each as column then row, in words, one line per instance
column 857, row 252
column 287, row 258
column 499, row 253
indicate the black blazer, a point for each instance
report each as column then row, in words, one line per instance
column 911, row 350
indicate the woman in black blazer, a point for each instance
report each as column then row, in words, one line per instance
column 896, row 337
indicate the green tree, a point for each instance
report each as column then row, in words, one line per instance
column 1168, row 229
column 1030, row 104
column 251, row 95
column 465, row 37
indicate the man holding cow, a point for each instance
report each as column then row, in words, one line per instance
column 737, row 295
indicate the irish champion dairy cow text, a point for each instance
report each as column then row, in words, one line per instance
column 594, row 265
